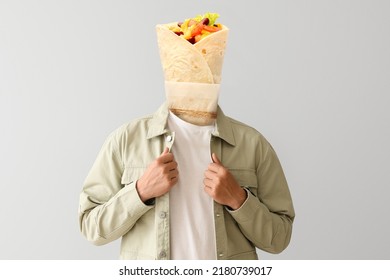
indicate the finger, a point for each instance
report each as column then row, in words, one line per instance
column 166, row 150
column 172, row 165
column 166, row 157
column 208, row 183
column 216, row 159
column 209, row 191
column 214, row 167
column 209, row 174
column 162, row 158
column 173, row 173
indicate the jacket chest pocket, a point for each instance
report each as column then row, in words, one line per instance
column 246, row 178
column 131, row 174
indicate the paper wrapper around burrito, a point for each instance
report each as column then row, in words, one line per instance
column 192, row 73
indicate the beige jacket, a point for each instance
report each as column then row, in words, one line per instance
column 110, row 207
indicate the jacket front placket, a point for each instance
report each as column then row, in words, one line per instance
column 162, row 212
column 219, row 219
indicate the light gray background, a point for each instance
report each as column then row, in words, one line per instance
column 312, row 76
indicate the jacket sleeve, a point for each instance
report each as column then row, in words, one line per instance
column 266, row 217
column 108, row 209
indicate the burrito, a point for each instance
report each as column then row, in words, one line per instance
column 192, row 54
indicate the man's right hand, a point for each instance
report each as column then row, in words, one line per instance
column 160, row 176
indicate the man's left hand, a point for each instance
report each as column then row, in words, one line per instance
column 220, row 184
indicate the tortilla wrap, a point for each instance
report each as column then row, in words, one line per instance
column 195, row 103
column 192, row 73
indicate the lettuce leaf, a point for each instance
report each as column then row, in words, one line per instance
column 212, row 17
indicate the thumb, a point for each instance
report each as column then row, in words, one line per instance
column 166, row 151
column 215, row 159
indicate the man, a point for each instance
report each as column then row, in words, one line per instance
column 188, row 182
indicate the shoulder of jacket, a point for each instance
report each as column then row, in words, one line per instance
column 135, row 125
column 249, row 134
column 243, row 127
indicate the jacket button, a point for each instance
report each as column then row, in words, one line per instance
column 169, row 138
column 162, row 254
column 218, row 215
column 163, row 215
column 220, row 254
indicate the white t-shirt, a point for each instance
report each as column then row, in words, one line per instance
column 192, row 230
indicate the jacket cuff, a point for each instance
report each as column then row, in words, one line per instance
column 245, row 212
column 130, row 194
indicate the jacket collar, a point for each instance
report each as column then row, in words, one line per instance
column 158, row 125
